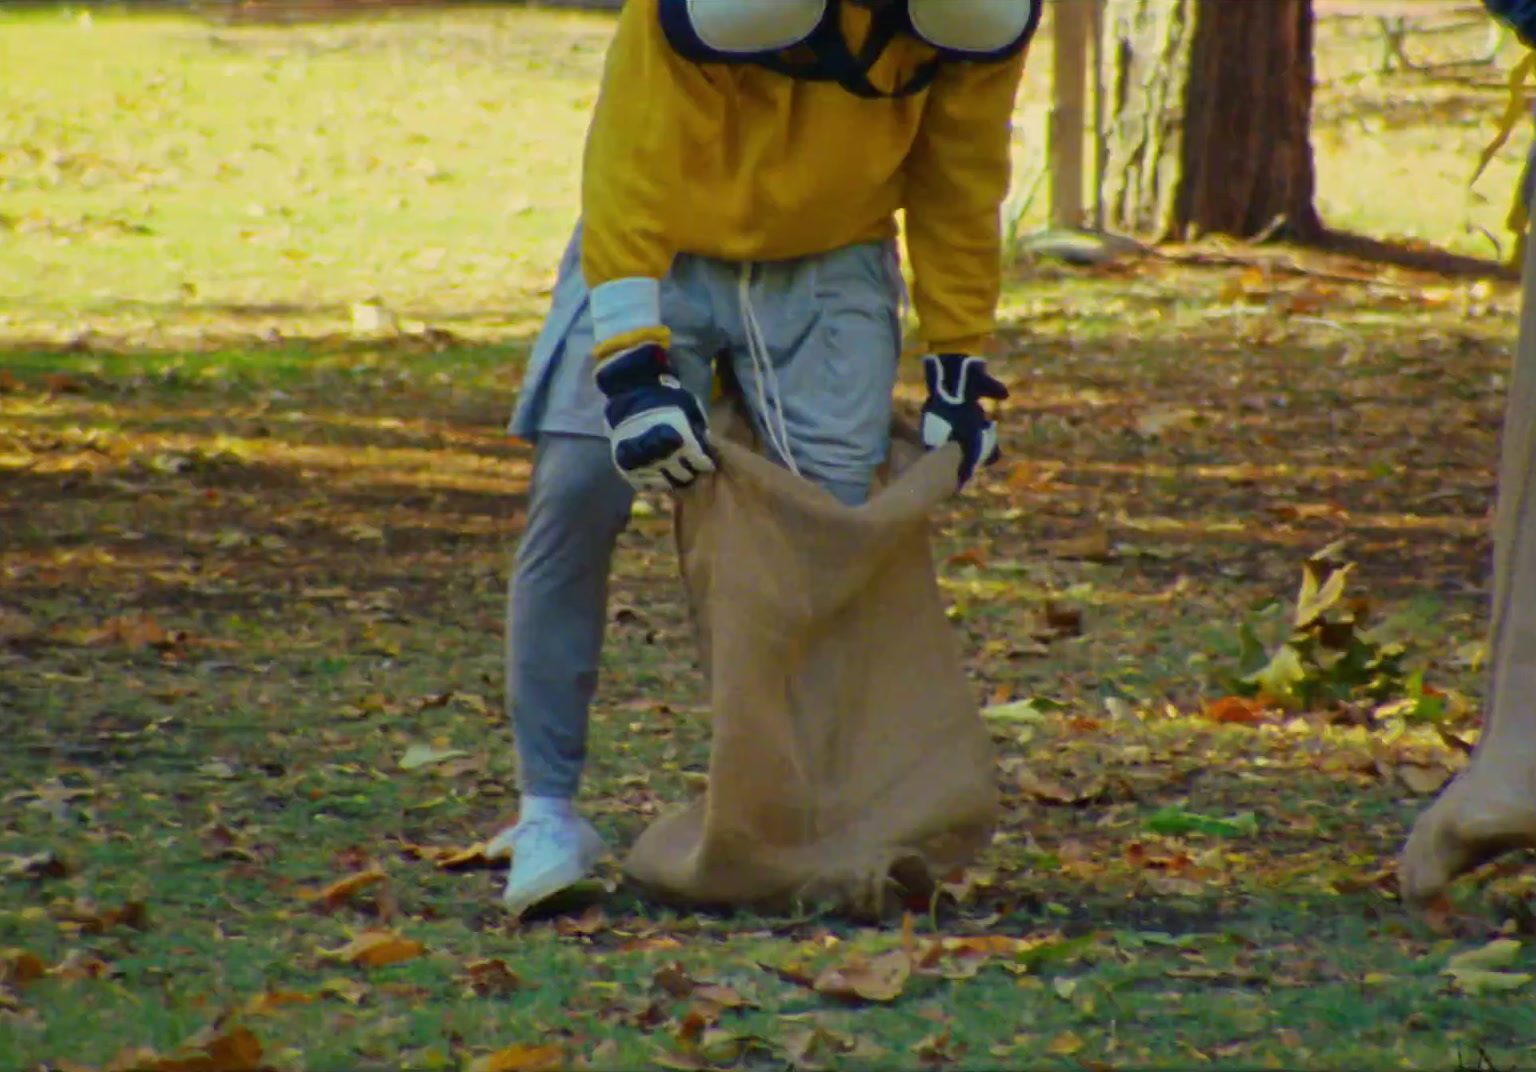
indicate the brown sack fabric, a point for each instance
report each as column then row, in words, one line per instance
column 849, row 758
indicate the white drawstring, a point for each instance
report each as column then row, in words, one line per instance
column 762, row 372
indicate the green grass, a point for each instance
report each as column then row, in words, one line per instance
column 261, row 550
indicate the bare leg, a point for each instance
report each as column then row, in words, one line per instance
column 1490, row 808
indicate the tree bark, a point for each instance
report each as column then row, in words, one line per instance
column 1212, row 108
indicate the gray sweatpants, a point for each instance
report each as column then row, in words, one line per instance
column 821, row 383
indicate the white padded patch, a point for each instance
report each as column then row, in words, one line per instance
column 971, row 25
column 748, row 26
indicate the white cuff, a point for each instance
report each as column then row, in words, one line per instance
column 623, row 306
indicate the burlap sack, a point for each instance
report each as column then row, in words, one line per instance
column 849, row 761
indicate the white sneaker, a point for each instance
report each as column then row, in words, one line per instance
column 548, row 855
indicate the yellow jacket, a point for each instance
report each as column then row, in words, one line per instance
column 739, row 163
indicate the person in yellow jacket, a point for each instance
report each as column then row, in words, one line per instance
column 744, row 166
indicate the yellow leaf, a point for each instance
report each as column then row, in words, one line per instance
column 376, row 948
column 1496, row 954
column 422, row 755
column 1475, row 981
column 520, row 1058
column 337, row 892
column 349, row 990
column 1065, row 1045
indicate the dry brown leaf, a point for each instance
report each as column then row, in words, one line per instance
column 83, row 917
column 590, row 922
column 492, row 976
column 881, row 978
column 519, row 1058
column 673, row 979
column 340, row 891
column 1052, row 791
column 1092, row 546
column 79, row 964
column 18, row 967
column 236, row 1050
column 376, row 948
column 270, row 1001
column 938, row 1048
column 1236, row 709
column 131, row 631
column 720, row 996
column 220, row 842
column 973, row 556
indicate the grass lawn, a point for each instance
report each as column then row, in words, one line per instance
column 265, row 295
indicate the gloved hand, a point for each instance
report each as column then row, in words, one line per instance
column 656, row 427
column 956, row 385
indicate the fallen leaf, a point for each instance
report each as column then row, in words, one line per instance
column 376, row 948
column 809, row 1048
column 881, row 978
column 720, row 996
column 421, row 755
column 84, row 917
column 18, row 967
column 1422, row 780
column 519, row 1058
column 79, row 964
column 39, row 865
column 340, row 891
column 450, row 859
column 1174, row 820
column 16, row 626
column 222, row 843
column 270, row 1001
column 1092, row 546
column 1236, row 709
column 349, row 990
column 1496, row 954
column 974, row 556
column 673, row 979
column 590, row 922
column 1475, row 981
column 938, row 1048
column 491, row 977
column 1017, row 711
column 1064, row 1045
column 650, row 943
column 131, row 631
column 1052, row 791
column 237, row 1050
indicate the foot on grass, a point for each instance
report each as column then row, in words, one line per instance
column 1483, row 814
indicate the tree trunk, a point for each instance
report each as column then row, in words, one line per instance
column 1212, row 104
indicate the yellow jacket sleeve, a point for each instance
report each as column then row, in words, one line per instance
column 633, row 165
column 957, row 177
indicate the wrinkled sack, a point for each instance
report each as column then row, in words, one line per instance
column 850, row 767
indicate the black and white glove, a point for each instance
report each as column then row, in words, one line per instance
column 656, row 427
column 953, row 413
